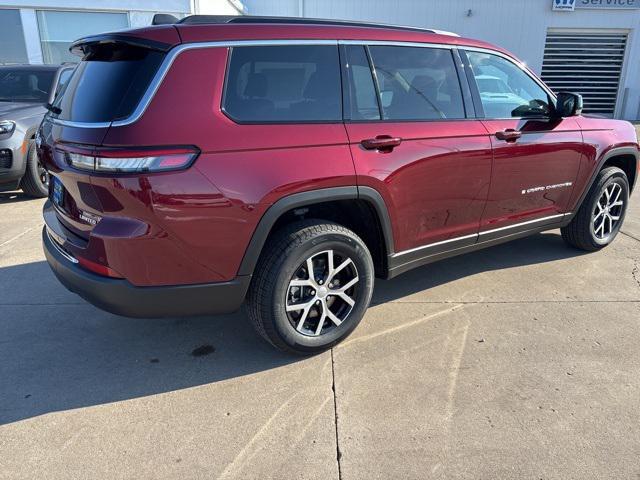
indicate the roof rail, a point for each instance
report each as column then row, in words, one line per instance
column 221, row 19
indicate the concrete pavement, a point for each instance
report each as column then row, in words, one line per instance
column 520, row 361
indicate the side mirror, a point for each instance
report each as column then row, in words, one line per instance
column 568, row 104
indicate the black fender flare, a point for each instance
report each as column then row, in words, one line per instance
column 302, row 199
column 614, row 152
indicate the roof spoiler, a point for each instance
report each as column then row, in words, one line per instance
column 87, row 44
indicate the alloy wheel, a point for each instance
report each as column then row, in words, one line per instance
column 322, row 293
column 607, row 211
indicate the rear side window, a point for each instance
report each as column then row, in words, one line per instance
column 108, row 83
column 280, row 84
column 417, row 83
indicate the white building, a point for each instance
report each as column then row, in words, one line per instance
column 40, row 31
column 590, row 47
column 587, row 46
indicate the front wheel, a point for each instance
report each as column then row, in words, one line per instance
column 600, row 216
column 312, row 287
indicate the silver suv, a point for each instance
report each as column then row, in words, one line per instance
column 25, row 92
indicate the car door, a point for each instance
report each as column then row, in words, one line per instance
column 536, row 156
column 413, row 138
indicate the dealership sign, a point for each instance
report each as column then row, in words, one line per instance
column 571, row 5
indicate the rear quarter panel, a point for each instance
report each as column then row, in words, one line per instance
column 242, row 169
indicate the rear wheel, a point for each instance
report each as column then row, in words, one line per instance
column 35, row 182
column 600, row 216
column 312, row 287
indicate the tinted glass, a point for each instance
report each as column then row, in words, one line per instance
column 284, row 84
column 505, row 89
column 362, row 101
column 108, row 84
column 417, row 83
column 24, row 85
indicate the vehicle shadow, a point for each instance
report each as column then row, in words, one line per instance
column 540, row 248
column 59, row 353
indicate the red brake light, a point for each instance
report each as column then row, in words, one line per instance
column 97, row 268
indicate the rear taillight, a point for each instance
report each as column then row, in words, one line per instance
column 112, row 160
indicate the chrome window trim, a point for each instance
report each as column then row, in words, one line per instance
column 390, row 43
column 69, row 123
column 158, row 78
column 479, row 234
column 153, row 87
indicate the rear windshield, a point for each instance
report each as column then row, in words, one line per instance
column 108, row 83
column 23, row 85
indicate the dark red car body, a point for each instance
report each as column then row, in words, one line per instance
column 186, row 242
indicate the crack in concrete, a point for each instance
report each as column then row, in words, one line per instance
column 630, row 236
column 335, row 416
column 635, row 273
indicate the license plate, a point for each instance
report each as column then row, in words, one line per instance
column 57, row 191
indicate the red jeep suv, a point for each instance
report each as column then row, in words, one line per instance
column 288, row 162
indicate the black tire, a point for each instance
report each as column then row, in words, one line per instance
column 581, row 232
column 284, row 256
column 32, row 184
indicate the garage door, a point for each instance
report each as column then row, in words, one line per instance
column 586, row 63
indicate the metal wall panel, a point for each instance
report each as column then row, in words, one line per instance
column 520, row 26
column 586, row 63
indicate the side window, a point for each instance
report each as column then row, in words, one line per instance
column 505, row 89
column 276, row 84
column 362, row 101
column 417, row 83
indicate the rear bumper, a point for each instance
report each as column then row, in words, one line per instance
column 120, row 297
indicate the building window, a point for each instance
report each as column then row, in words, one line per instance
column 59, row 29
column 12, row 38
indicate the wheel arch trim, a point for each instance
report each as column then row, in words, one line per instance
column 609, row 154
column 311, row 197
